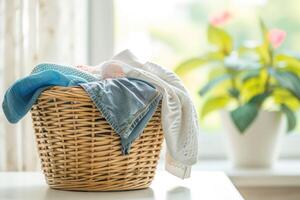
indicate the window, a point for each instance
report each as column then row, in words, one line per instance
column 170, row 31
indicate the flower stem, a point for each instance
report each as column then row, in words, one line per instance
column 269, row 65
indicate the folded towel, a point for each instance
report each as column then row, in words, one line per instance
column 179, row 118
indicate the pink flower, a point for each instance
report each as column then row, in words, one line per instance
column 220, row 18
column 276, row 37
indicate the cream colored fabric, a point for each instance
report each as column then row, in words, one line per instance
column 179, row 118
column 34, row 31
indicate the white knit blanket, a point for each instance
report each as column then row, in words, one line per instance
column 179, row 118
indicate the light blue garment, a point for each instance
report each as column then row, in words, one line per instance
column 126, row 103
column 65, row 70
column 20, row 97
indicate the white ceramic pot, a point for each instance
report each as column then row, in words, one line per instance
column 259, row 145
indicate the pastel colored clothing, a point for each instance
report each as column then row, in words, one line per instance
column 126, row 103
column 179, row 118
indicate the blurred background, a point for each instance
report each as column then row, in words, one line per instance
column 89, row 32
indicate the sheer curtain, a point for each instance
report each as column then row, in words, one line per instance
column 34, row 31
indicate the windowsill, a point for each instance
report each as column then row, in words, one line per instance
column 285, row 173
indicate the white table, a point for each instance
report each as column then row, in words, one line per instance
column 202, row 186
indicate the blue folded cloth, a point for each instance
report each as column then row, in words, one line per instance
column 126, row 103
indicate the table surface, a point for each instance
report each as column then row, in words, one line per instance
column 201, row 185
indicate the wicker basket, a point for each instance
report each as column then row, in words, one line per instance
column 79, row 150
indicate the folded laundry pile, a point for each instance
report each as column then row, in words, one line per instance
column 111, row 83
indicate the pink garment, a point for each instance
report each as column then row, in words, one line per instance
column 105, row 71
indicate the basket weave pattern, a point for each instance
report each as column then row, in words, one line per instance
column 79, row 150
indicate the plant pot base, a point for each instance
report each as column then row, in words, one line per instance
column 252, row 165
column 258, row 146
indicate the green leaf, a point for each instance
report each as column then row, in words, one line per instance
column 239, row 63
column 220, row 38
column 189, row 65
column 244, row 115
column 253, row 73
column 283, row 96
column 265, row 49
column 261, row 51
column 287, row 63
column 290, row 116
column 264, row 31
column 216, row 72
column 194, row 63
column 287, row 80
column 288, row 60
column 212, row 104
column 259, row 99
column 213, row 83
column 264, row 53
column 234, row 92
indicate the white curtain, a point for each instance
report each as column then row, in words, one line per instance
column 31, row 32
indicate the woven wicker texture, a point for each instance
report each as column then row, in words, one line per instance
column 79, row 150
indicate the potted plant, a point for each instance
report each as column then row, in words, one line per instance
column 254, row 87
